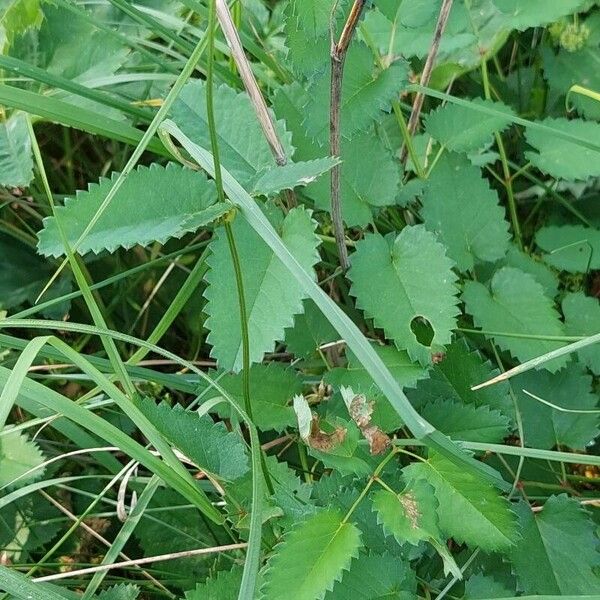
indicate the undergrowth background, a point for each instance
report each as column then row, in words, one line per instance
column 249, row 280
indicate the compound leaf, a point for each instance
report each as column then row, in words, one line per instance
column 243, row 149
column 410, row 516
column 375, row 577
column 572, row 248
column 18, row 456
column 466, row 421
column 272, row 387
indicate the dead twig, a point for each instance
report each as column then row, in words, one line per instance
column 256, row 97
column 427, row 70
column 338, row 57
column 141, row 561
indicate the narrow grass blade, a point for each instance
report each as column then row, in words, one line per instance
column 22, row 587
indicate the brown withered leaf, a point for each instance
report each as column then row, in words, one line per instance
column 323, row 441
column 361, row 411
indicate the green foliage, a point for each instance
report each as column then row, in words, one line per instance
column 244, row 151
column 365, row 93
column 546, row 427
column 537, row 12
column 582, row 317
column 272, row 388
column 462, row 129
column 567, row 159
column 373, row 576
column 272, row 299
column 387, row 283
column 20, row 460
column 209, row 445
column 572, row 248
column 140, row 213
column 460, row 207
column 516, row 303
column 410, row 516
column 470, row 510
column 466, row 421
column 16, row 164
column 223, row 586
column 313, row 555
column 558, row 552
column 351, row 478
column 453, row 377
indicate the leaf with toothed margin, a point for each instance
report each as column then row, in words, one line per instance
column 366, row 93
column 466, row 421
column 470, row 509
column 311, row 557
column 243, row 149
column 272, row 387
column 516, row 303
column 400, row 282
column 154, row 204
column 462, row 129
column 294, row 174
column 272, row 296
column 453, row 376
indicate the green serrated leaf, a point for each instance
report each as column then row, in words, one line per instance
column 452, row 378
column 537, row 269
column 311, row 329
column 388, row 283
column 572, row 248
column 154, row 204
column 375, row 577
column 294, row 174
column 272, row 297
column 313, row 555
column 18, row 456
column 272, row 387
column 466, row 421
column 558, row 553
column 17, row 17
column 122, row 591
column 366, row 92
column 534, row 13
column 243, row 149
column 582, row 317
column 460, row 206
column 410, row 516
column 16, row 162
column 546, row 427
column 485, row 587
column 516, row 304
column 470, row 510
column 463, row 130
column 209, row 445
column 362, row 190
column 222, row 586
column 562, row 158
